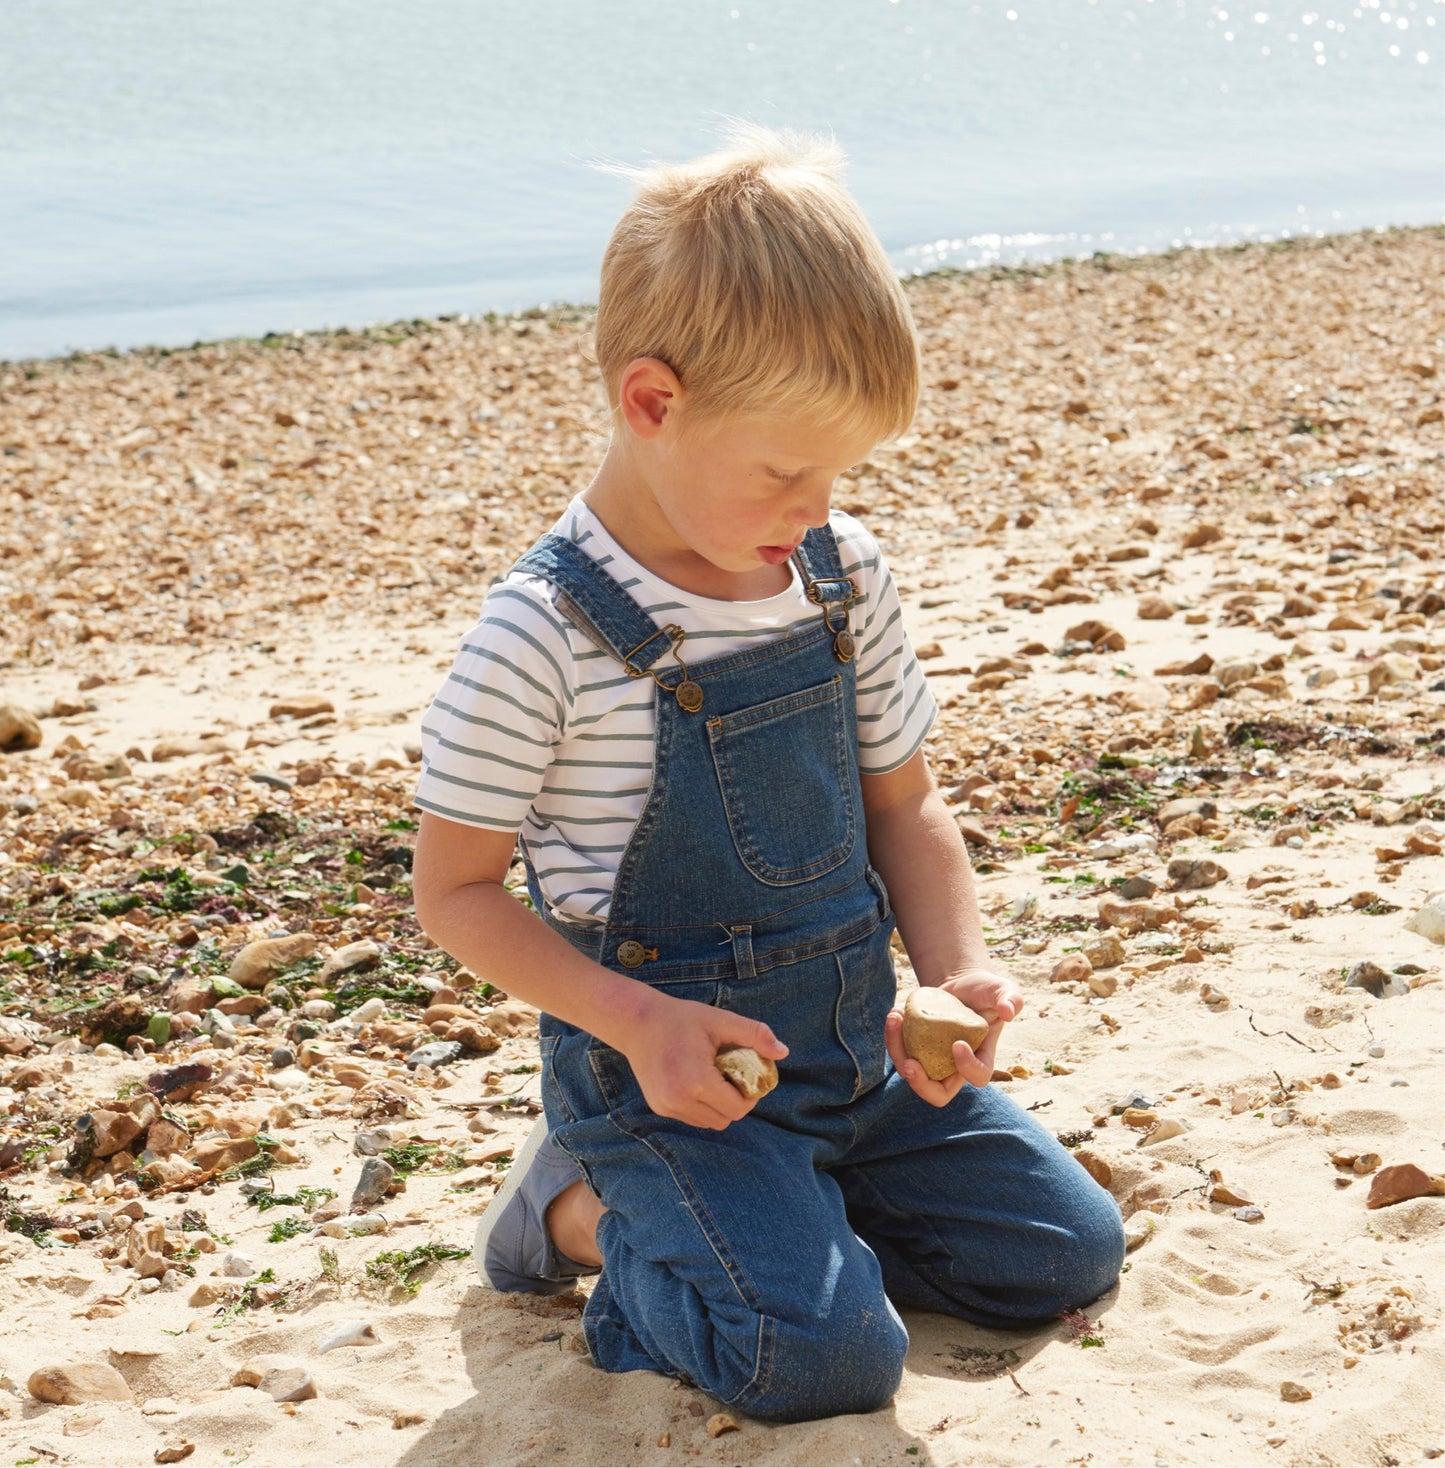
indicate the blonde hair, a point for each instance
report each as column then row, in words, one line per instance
column 753, row 274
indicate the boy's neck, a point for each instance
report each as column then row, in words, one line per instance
column 621, row 499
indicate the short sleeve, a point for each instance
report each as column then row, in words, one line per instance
column 895, row 707
column 491, row 731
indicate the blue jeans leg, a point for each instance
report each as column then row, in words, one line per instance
column 729, row 1260
column 976, row 1210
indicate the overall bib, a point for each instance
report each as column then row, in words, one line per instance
column 763, row 1262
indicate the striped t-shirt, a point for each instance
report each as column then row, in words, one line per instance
column 538, row 730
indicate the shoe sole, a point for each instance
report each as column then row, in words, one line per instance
column 521, row 1161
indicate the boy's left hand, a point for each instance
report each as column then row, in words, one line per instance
column 996, row 999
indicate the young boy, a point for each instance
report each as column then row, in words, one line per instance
column 695, row 701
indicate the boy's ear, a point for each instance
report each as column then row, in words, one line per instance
column 647, row 394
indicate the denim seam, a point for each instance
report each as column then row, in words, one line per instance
column 707, row 1226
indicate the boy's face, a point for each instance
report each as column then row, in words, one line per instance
column 742, row 493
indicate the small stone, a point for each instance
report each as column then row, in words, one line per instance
column 1201, row 535
column 1392, row 668
column 1071, row 968
column 1400, row 1183
column 721, row 1422
column 1096, row 1166
column 1174, row 810
column 263, row 960
column 1292, row 1391
column 347, row 1333
column 1142, row 1118
column 353, row 958
column 377, row 1179
column 1374, row 980
column 1365, row 1163
column 1222, row 1193
column 301, row 706
column 80, row 1382
column 111, row 1132
column 444, row 1052
column 972, row 830
column 282, row 1057
column 1190, row 875
column 236, row 1265
column 1249, row 1215
column 1167, row 1128
column 174, row 1450
column 271, row 779
column 400, row 1420
column 1105, row 951
column 1154, row 608
column 1429, row 921
column 283, row 1380
column 19, row 729
column 209, row 1292
column 1103, row 986
column 1235, row 670
column 1133, row 917
column 1214, row 998
column 1137, row 1228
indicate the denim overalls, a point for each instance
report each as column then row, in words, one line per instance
column 763, row 1262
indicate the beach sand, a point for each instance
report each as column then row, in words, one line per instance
column 1167, row 529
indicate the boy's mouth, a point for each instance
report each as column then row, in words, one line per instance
column 775, row 555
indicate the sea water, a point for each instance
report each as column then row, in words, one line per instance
column 173, row 171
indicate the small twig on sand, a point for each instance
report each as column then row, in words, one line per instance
column 1270, row 1034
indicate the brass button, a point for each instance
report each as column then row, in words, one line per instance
column 689, row 696
column 844, row 647
column 631, row 953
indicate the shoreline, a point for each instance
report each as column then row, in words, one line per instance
column 573, row 310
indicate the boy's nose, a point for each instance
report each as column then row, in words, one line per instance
column 812, row 509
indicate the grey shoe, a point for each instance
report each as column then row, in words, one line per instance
column 512, row 1249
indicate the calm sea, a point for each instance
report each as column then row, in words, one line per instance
column 174, row 170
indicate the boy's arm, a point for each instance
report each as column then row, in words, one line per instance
column 461, row 903
column 920, row 854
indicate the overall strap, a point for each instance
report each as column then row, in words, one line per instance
column 822, row 569
column 598, row 604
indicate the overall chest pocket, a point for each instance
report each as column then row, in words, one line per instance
column 784, row 768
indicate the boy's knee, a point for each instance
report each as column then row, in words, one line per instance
column 1091, row 1254
column 829, row 1368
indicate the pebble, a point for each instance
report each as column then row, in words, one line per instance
column 236, row 1265
column 443, row 1052
column 283, row 1380
column 353, row 958
column 347, row 1333
column 1429, row 921
column 1190, row 875
column 1376, row 1052
column 1374, row 980
column 261, row 961
column 378, row 1177
column 352, row 1225
column 283, row 1056
column 1249, row 1215
column 25, row 805
column 1071, row 968
column 373, row 1009
column 174, row 1450
column 78, row 1382
column 19, row 729
column 1400, row 1183
column 1105, row 951
column 1292, row 1391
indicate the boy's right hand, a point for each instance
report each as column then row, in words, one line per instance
column 673, row 1054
